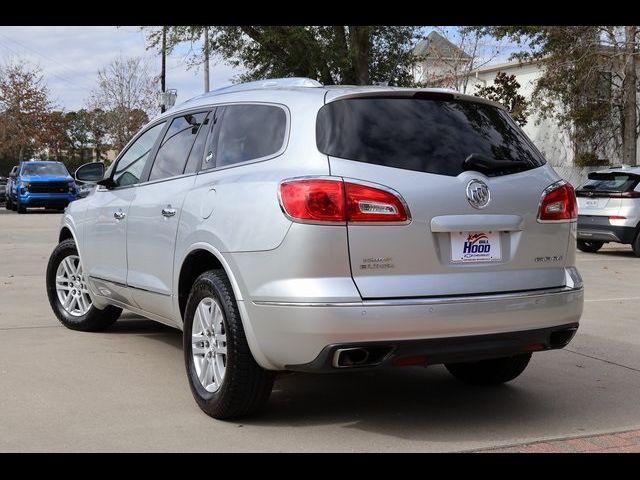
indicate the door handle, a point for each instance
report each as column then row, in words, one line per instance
column 168, row 212
column 119, row 215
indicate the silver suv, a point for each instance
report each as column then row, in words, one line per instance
column 609, row 209
column 287, row 226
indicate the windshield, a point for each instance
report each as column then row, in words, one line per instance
column 425, row 135
column 44, row 169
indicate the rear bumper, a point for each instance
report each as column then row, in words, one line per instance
column 293, row 336
column 599, row 229
column 440, row 350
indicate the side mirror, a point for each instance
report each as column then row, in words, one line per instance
column 90, row 172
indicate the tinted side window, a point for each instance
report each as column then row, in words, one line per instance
column 197, row 151
column 248, row 132
column 131, row 165
column 176, row 145
column 424, row 135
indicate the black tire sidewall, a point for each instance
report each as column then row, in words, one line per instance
column 63, row 250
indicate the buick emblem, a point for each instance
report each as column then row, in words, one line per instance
column 478, row 194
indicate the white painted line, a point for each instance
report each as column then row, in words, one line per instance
column 612, row 299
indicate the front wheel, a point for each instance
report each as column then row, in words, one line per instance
column 490, row 372
column 225, row 379
column 589, row 247
column 69, row 294
column 20, row 208
column 636, row 245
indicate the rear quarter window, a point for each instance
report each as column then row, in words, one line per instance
column 421, row 134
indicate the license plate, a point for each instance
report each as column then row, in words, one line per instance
column 591, row 203
column 469, row 247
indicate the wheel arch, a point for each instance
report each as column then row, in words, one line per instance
column 199, row 258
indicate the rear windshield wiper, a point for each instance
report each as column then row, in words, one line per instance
column 482, row 163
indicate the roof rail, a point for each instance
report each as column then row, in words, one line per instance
column 268, row 83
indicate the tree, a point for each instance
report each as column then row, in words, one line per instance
column 505, row 91
column 24, row 110
column 55, row 140
column 98, row 129
column 331, row 54
column 127, row 92
column 588, row 85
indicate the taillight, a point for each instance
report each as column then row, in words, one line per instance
column 558, row 204
column 322, row 200
column 370, row 204
column 313, row 200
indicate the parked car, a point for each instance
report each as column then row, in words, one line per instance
column 42, row 183
column 287, row 226
column 3, row 189
column 9, row 188
column 609, row 209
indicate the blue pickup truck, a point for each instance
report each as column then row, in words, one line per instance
column 41, row 183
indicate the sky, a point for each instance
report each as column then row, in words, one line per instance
column 71, row 56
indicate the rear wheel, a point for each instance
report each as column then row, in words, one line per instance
column 224, row 377
column 490, row 372
column 589, row 247
column 636, row 245
column 69, row 295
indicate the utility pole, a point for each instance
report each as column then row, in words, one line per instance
column 629, row 143
column 206, row 59
column 163, row 72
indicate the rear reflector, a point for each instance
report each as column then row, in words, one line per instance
column 323, row 200
column 617, row 217
column 558, row 204
column 405, row 361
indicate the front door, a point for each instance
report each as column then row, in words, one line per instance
column 104, row 255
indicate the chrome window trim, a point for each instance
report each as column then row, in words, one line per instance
column 430, row 300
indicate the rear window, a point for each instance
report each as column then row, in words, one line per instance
column 610, row 182
column 425, row 135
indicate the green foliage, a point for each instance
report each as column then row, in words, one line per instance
column 581, row 86
column 590, row 159
column 330, row 54
column 505, row 91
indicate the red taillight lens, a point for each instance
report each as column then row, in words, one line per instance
column 370, row 204
column 324, row 200
column 559, row 204
column 314, row 200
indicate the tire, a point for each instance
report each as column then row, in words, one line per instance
column 8, row 205
column 489, row 372
column 244, row 387
column 91, row 320
column 589, row 247
column 20, row 208
column 636, row 245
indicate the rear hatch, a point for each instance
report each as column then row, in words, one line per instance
column 432, row 149
column 607, row 193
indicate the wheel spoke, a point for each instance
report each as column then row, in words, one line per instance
column 197, row 344
column 217, row 374
column 202, row 317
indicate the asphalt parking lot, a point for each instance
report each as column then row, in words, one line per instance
column 126, row 390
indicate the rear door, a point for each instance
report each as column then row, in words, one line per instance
column 417, row 146
column 155, row 213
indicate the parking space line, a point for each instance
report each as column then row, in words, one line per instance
column 620, row 299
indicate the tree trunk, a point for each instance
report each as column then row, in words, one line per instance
column 360, row 40
column 629, row 138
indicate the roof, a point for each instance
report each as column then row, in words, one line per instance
column 303, row 92
column 503, row 66
column 435, row 45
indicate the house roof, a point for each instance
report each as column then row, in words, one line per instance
column 435, row 45
column 503, row 66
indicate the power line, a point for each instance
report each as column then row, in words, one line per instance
column 64, row 79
